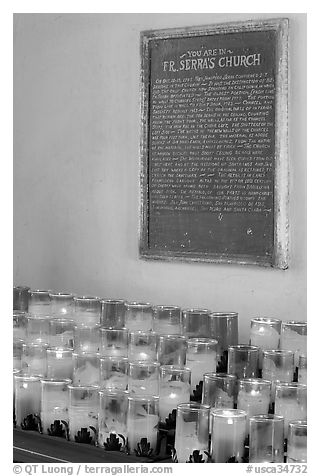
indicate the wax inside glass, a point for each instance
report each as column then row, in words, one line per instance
column 142, row 345
column 174, row 388
column 112, row 416
column 61, row 304
column 172, row 349
column 192, row 430
column 114, row 342
column 27, row 401
column 86, row 368
column 142, row 421
column 201, row 358
column 219, row 390
column 253, row 397
column 143, row 378
column 228, row 432
column 224, row 328
column 54, row 406
column 61, row 333
column 83, row 413
column 114, row 372
column 34, row 359
column 59, row 363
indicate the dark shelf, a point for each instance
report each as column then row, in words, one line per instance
column 33, row 447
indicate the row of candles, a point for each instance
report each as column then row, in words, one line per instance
column 97, row 376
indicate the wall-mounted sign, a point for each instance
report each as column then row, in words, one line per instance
column 214, row 177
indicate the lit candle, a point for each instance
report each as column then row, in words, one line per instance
column 59, row 363
column 290, row 402
column 142, row 345
column 265, row 333
column 253, row 397
column 61, row 304
column 54, row 403
column 174, row 388
column 192, row 430
column 142, row 421
column 201, row 358
column 83, row 412
column 228, row 432
column 27, row 400
column 143, row 378
column 37, row 330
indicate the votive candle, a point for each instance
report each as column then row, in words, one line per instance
column 174, row 388
column 228, row 433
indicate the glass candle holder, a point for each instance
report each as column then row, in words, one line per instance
column 61, row 333
column 294, row 337
column 253, row 397
column 167, row 320
column 265, row 333
column 21, row 298
column 266, row 439
column 142, row 345
column 174, row 388
column 37, row 329
column 196, row 323
column 302, row 369
column 138, row 316
column 15, row 373
column 83, row 413
column 87, row 338
column 114, row 342
column 172, row 350
column 228, row 433
column 192, row 430
column 27, row 402
column 290, row 402
column 20, row 325
column 143, row 378
column 86, row 368
column 114, row 372
column 201, row 358
column 142, row 421
column 39, row 303
column 297, row 442
column 219, row 390
column 34, row 359
column 17, row 353
column 112, row 313
column 54, row 406
column 87, row 310
column 243, row 361
column 59, row 363
column 277, row 366
column 224, row 328
column 112, row 417
column 61, row 304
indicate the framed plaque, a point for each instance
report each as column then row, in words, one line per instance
column 214, row 164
